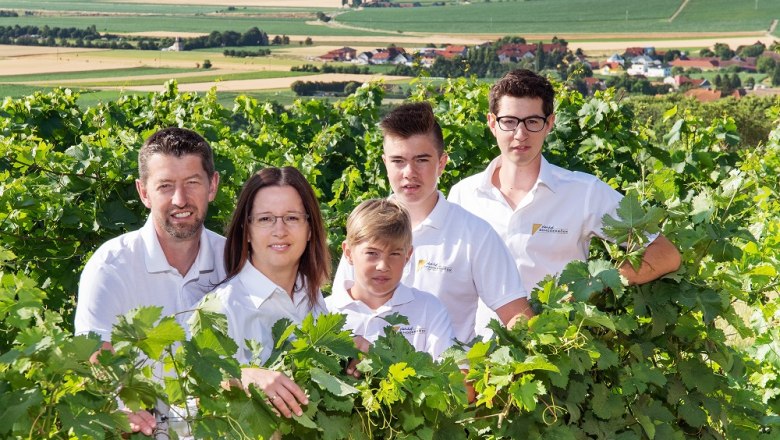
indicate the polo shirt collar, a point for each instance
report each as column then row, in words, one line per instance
column 546, row 176
column 438, row 217
column 261, row 288
column 155, row 257
column 402, row 295
column 340, row 298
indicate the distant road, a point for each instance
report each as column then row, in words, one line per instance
column 261, row 84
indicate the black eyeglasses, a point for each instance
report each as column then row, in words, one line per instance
column 268, row 221
column 531, row 123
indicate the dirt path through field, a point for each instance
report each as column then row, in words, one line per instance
column 261, row 84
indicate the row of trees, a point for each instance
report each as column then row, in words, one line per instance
column 329, row 68
column 246, row 53
column 337, row 88
column 90, row 37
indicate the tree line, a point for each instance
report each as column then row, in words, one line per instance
column 328, row 68
column 246, row 53
column 338, row 88
column 90, row 37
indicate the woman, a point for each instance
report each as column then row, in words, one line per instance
column 276, row 259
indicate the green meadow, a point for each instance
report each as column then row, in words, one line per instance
column 203, row 79
column 180, row 23
column 142, row 8
column 567, row 16
column 106, row 73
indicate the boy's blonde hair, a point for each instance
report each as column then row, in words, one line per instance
column 379, row 220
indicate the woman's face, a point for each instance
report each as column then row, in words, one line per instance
column 278, row 247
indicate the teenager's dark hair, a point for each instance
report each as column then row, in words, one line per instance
column 523, row 83
column 177, row 142
column 315, row 261
column 412, row 119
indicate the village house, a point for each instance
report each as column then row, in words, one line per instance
column 343, row 54
column 427, row 55
column 611, row 68
column 593, row 84
column 648, row 67
column 616, row 58
column 510, row 53
column 708, row 63
column 678, row 81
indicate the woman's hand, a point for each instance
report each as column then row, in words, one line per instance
column 282, row 392
column 142, row 421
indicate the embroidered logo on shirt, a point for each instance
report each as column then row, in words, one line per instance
column 408, row 330
column 548, row 229
column 431, row 266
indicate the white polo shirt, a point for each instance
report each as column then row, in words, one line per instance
column 131, row 271
column 551, row 226
column 429, row 327
column 252, row 304
column 459, row 259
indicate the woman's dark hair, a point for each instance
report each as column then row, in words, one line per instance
column 315, row 261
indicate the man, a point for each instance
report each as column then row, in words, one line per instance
column 457, row 256
column 546, row 215
column 172, row 261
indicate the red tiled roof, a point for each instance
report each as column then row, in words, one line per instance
column 703, row 95
column 703, row 63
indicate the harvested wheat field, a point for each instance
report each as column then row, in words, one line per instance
column 261, row 84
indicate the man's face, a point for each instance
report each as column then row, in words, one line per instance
column 521, row 146
column 177, row 191
column 413, row 168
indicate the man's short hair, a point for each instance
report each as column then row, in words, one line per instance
column 379, row 220
column 412, row 119
column 523, row 83
column 177, row 142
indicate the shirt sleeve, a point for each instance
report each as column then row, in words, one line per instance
column 101, row 290
column 602, row 200
column 495, row 273
column 440, row 334
column 345, row 272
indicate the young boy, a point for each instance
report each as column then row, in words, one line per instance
column 378, row 246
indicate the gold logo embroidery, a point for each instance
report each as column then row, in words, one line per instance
column 535, row 228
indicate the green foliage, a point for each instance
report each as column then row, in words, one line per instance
column 693, row 355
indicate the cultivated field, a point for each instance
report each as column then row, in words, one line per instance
column 599, row 27
column 564, row 16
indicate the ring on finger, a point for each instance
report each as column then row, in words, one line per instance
column 273, row 397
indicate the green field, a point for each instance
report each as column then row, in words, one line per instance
column 182, row 23
column 202, row 79
column 510, row 17
column 179, row 23
column 140, row 8
column 566, row 16
column 108, row 73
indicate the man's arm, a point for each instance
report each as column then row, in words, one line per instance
column 661, row 257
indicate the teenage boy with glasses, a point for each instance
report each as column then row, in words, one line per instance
column 546, row 215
